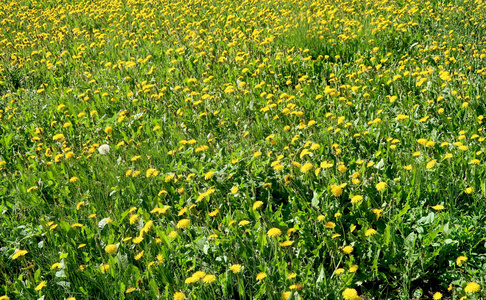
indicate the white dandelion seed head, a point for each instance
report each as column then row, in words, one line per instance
column 104, row 149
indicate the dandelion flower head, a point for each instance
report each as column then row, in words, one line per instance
column 104, row 149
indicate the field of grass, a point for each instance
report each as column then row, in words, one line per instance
column 203, row 149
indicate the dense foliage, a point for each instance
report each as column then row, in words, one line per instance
column 203, row 149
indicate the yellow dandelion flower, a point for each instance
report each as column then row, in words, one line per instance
column 274, row 232
column 183, row 223
column 472, row 287
column 151, row 172
column 80, row 205
column 19, row 253
column 182, row 211
column 287, row 179
column 339, row 271
column 139, row 255
column 377, row 212
column 257, row 205
column 326, row 164
column 356, row 198
column 350, row 294
column 460, row 260
column 168, row 178
column 330, row 225
column 199, row 275
column 370, row 232
column 208, row 175
column 146, row 227
column 438, row 207
column 209, row 278
column 243, row 223
column 137, row 240
column 437, row 296
column 179, row 296
column 40, row 286
column 191, row 280
column 475, row 162
column 306, row 167
column 133, row 219
column 111, row 249
column 31, row 189
column 58, row 137
column 353, row 268
column 381, row 186
column 348, row 249
column 135, row 158
column 235, row 268
column 422, row 141
column 214, row 213
column 286, row 244
column 336, row 190
column 261, row 276
column 431, row 164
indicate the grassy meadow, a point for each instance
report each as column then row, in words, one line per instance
column 203, row 149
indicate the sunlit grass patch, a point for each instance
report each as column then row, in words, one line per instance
column 237, row 150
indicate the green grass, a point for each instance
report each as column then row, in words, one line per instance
column 365, row 92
